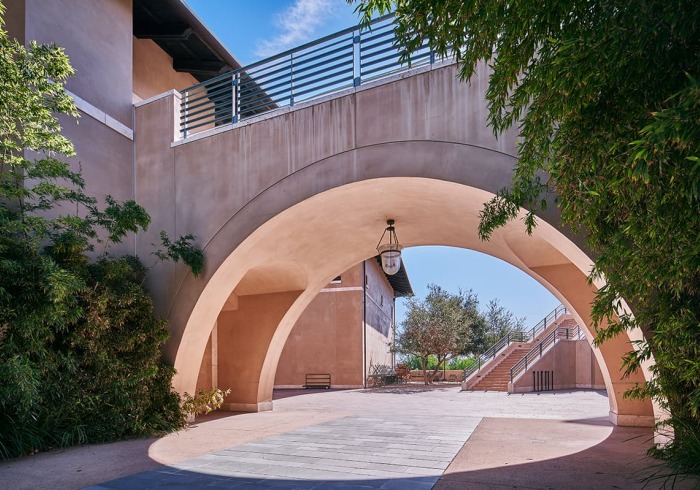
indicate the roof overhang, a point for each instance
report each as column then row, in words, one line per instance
column 399, row 281
column 180, row 33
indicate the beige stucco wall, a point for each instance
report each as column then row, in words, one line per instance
column 110, row 66
column 574, row 366
column 240, row 332
column 205, row 380
column 377, row 349
column 328, row 337
column 380, row 304
column 14, row 18
column 96, row 36
column 153, row 71
column 380, row 313
column 417, row 149
column 588, row 373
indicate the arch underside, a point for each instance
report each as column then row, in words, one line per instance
column 275, row 272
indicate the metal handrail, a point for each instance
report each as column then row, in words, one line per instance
column 477, row 362
column 335, row 62
column 542, row 347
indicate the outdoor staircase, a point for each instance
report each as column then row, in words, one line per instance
column 566, row 322
column 498, row 378
column 491, row 371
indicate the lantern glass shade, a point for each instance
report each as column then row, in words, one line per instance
column 391, row 257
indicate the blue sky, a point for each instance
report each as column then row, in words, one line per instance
column 256, row 29
column 491, row 278
column 253, row 30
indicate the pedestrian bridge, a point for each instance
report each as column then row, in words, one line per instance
column 286, row 185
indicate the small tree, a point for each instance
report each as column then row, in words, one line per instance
column 501, row 321
column 438, row 325
column 491, row 325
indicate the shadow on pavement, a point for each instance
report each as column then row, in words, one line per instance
column 409, row 388
column 617, row 462
column 195, row 481
column 76, row 467
column 498, row 456
column 591, row 421
column 279, row 394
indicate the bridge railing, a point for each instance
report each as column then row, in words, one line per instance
column 342, row 60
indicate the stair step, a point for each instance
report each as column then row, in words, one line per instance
column 498, row 378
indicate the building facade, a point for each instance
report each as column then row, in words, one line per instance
column 344, row 332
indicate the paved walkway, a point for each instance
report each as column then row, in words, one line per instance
column 401, row 438
column 352, row 452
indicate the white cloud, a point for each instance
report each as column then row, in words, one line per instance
column 298, row 24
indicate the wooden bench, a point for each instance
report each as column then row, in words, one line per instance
column 315, row 380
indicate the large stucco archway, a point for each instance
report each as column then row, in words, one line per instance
column 283, row 204
column 283, row 264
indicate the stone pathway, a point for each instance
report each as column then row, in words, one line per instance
column 399, row 437
column 380, row 451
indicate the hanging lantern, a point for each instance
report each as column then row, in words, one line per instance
column 390, row 253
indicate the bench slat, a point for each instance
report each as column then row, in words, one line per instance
column 318, row 380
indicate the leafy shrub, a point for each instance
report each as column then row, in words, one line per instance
column 79, row 344
column 414, row 362
column 204, row 401
column 459, row 363
column 85, row 366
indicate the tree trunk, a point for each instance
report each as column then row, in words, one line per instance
column 437, row 367
column 425, row 374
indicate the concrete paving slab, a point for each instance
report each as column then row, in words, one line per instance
column 288, row 455
column 326, row 439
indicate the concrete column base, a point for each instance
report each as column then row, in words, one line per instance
column 247, row 407
column 632, row 420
